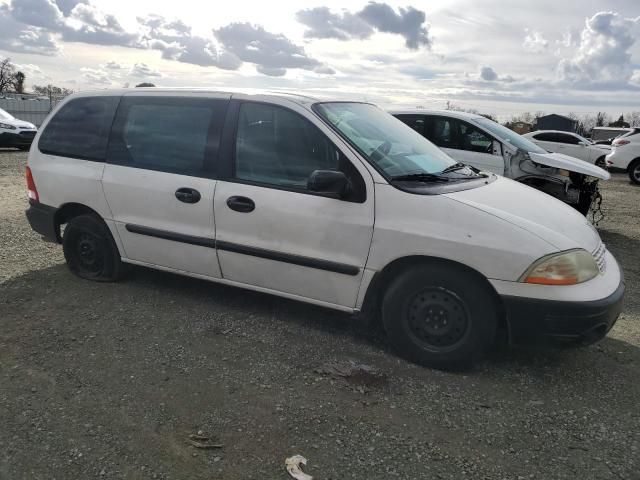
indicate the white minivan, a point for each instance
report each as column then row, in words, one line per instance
column 484, row 144
column 333, row 203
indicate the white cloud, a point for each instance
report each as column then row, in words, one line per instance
column 142, row 70
column 603, row 53
column 534, row 41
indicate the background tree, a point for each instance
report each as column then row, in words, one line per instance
column 51, row 90
column 18, row 82
column 601, row 119
column 7, row 75
column 145, row 84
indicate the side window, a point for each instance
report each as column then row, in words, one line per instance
column 275, row 146
column 570, row 139
column 80, row 129
column 474, row 140
column 442, row 132
column 414, row 121
column 546, row 137
column 169, row 134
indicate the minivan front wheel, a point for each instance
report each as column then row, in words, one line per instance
column 440, row 316
column 90, row 251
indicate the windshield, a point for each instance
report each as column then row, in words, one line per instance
column 6, row 115
column 385, row 141
column 509, row 136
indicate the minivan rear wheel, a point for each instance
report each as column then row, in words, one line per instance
column 634, row 171
column 90, row 251
column 440, row 316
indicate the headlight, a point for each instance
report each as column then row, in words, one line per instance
column 564, row 268
column 7, row 126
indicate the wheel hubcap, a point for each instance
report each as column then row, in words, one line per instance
column 437, row 318
column 636, row 172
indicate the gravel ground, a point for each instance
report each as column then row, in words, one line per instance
column 109, row 380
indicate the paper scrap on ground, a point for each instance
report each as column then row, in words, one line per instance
column 292, row 464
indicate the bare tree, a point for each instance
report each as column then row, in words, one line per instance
column 601, row 119
column 52, row 90
column 634, row 118
column 7, row 75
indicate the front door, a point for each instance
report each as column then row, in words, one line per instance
column 272, row 232
column 159, row 179
column 466, row 143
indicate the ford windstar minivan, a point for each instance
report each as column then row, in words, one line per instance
column 333, row 203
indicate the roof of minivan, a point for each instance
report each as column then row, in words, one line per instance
column 240, row 92
column 446, row 113
column 535, row 132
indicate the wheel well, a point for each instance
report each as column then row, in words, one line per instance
column 632, row 163
column 382, row 280
column 67, row 212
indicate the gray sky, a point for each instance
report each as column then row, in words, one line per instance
column 500, row 57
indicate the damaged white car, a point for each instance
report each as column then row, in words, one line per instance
column 488, row 146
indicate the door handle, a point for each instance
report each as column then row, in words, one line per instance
column 188, row 195
column 241, row 204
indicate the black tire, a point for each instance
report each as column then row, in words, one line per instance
column 634, row 171
column 90, row 251
column 601, row 162
column 440, row 316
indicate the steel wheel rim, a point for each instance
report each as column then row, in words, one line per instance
column 88, row 253
column 437, row 319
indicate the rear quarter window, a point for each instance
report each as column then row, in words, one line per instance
column 80, row 129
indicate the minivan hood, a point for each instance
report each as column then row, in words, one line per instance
column 565, row 162
column 539, row 213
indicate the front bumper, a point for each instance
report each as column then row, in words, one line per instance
column 19, row 139
column 534, row 319
column 42, row 220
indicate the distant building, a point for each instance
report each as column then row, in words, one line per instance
column 520, row 127
column 556, row 122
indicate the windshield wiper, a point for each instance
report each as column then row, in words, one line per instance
column 454, row 167
column 418, row 177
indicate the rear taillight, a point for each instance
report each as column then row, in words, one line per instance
column 32, row 192
column 619, row 143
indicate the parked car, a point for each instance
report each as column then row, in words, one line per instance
column 625, row 156
column 488, row 146
column 332, row 203
column 570, row 144
column 15, row 133
column 607, row 134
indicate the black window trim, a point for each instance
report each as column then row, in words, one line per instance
column 81, row 157
column 228, row 153
column 211, row 162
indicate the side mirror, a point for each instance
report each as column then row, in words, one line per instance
column 330, row 182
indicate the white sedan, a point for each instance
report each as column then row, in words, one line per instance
column 570, row 144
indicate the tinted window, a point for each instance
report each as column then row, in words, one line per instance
column 176, row 135
column 570, row 139
column 276, row 146
column 414, row 121
column 546, row 137
column 474, row 140
column 442, row 132
column 80, row 129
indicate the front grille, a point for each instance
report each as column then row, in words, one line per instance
column 599, row 256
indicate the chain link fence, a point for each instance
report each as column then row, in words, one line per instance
column 31, row 108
